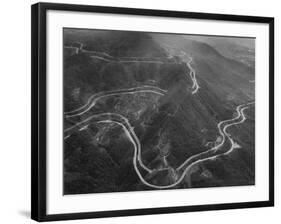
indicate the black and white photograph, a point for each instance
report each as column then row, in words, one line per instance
column 142, row 111
column 157, row 111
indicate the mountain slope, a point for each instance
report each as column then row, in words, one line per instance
column 171, row 127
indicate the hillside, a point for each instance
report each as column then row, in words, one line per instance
column 171, row 120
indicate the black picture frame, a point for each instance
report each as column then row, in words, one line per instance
column 39, row 122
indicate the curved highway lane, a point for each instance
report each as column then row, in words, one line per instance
column 120, row 120
column 92, row 101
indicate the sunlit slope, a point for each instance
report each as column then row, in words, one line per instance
column 238, row 48
column 229, row 79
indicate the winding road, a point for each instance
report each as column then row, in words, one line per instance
column 120, row 120
column 226, row 139
column 187, row 59
column 92, row 101
column 106, row 57
column 192, row 75
column 183, row 169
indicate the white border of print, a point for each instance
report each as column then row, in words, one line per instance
column 57, row 203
